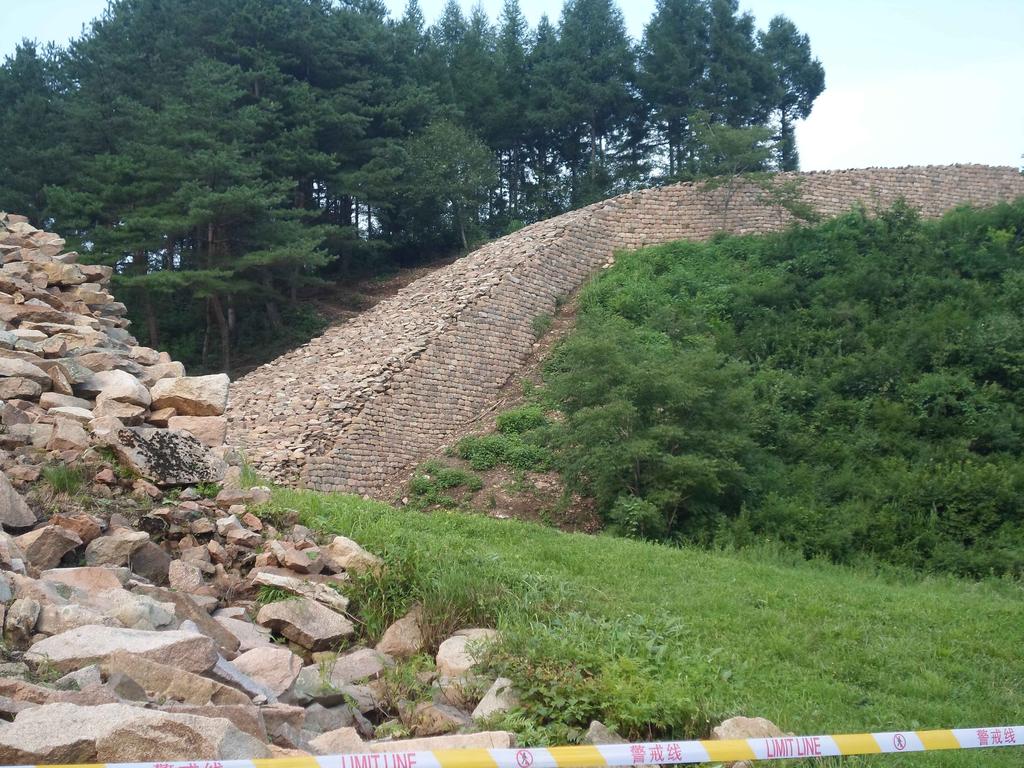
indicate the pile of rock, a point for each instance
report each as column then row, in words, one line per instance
column 198, row 630
column 72, row 377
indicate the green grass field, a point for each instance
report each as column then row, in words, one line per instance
column 661, row 641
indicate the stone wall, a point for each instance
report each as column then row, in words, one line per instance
column 366, row 401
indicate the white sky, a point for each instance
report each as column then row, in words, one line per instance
column 908, row 82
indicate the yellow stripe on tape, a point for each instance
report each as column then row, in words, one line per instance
column 857, row 744
column 729, row 749
column 465, row 758
column 577, row 757
column 938, row 740
column 281, row 762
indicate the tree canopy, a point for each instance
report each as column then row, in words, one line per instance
column 227, row 156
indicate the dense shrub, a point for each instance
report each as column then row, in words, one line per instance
column 485, row 452
column 854, row 390
column 520, row 420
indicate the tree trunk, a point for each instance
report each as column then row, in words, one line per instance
column 787, row 144
column 593, row 150
column 206, row 337
column 152, row 323
column 274, row 317
column 345, row 211
column 225, row 333
column 462, row 227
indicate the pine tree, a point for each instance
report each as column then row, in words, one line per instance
column 598, row 74
column 32, row 148
column 800, row 79
column 546, row 118
column 673, row 63
column 739, row 81
column 510, row 128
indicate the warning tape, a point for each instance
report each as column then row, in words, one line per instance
column 648, row 753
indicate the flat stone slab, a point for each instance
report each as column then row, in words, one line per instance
column 306, row 622
column 165, row 457
column 93, row 644
column 162, row 681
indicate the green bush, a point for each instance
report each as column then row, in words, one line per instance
column 852, row 390
column 520, row 420
column 485, row 452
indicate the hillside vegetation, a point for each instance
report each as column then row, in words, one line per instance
column 665, row 641
column 853, row 390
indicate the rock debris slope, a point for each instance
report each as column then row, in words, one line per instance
column 72, row 378
column 354, row 408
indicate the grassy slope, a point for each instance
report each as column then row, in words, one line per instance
column 670, row 634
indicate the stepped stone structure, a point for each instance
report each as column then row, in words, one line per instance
column 358, row 406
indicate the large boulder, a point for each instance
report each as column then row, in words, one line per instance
column 404, row 638
column 343, row 554
column 68, row 435
column 358, row 665
column 300, row 587
column 44, row 547
column 306, row 622
column 67, row 733
column 500, row 698
column 116, row 548
column 116, row 385
column 431, row 718
column 245, row 717
column 88, row 579
column 340, row 741
column 165, row 457
column 249, row 635
column 94, row 644
column 186, row 609
column 457, row 655
column 163, row 682
column 131, row 610
column 273, row 667
column 211, row 431
column 14, row 511
column 192, row 395
column 19, row 388
column 56, row 619
column 20, row 622
column 13, row 367
column 746, row 728
column 481, row 740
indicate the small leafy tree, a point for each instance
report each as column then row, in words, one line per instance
column 450, row 166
